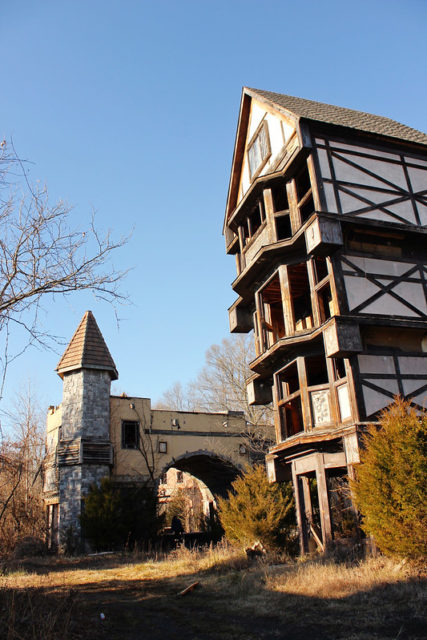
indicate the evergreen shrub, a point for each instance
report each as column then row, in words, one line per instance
column 114, row 516
column 256, row 510
column 390, row 486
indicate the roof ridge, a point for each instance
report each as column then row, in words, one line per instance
column 342, row 116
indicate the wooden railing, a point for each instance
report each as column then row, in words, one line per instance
column 73, row 452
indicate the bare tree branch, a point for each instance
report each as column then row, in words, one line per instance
column 42, row 255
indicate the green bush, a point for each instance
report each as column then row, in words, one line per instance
column 257, row 510
column 114, row 516
column 390, row 486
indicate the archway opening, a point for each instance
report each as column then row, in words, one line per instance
column 188, row 489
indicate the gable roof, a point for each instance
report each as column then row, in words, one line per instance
column 87, row 350
column 341, row 116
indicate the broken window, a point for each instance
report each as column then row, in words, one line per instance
column 272, row 323
column 304, row 194
column 300, row 296
column 316, row 371
column 282, row 219
column 339, row 368
column 130, row 434
column 324, row 298
column 259, row 150
column 290, row 410
column 252, row 223
column 320, row 269
column 319, row 390
column 343, row 516
column 322, row 288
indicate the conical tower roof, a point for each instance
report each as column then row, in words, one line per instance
column 87, row 350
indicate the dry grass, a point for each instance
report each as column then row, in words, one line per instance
column 236, row 599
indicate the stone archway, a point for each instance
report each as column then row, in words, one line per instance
column 215, row 471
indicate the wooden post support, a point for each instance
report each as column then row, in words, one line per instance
column 322, row 488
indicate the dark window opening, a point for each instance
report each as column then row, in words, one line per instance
column 300, row 296
column 339, row 368
column 283, row 227
column 280, row 198
column 164, row 478
column 343, row 517
column 316, row 371
column 179, row 477
column 291, row 418
column 130, row 434
column 320, row 269
column 252, row 222
column 272, row 318
column 307, row 209
column 324, row 297
column 255, row 220
column 315, row 508
column 290, row 409
column 245, row 229
column 302, row 183
column 288, row 381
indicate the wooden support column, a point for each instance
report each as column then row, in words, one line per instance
column 305, row 396
column 285, row 293
column 277, row 423
column 313, row 294
column 293, row 208
column 303, row 541
column 313, row 180
column 308, row 507
column 269, row 214
column 322, row 488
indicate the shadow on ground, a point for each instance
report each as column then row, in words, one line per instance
column 227, row 605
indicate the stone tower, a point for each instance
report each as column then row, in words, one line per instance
column 84, row 450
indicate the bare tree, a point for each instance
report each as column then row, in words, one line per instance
column 21, row 457
column 221, row 386
column 177, row 398
column 41, row 255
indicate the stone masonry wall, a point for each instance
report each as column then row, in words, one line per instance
column 85, row 414
column 86, row 405
column 74, row 484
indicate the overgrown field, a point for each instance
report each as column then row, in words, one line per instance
column 126, row 598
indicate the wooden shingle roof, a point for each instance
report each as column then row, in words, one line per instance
column 87, row 350
column 341, row 116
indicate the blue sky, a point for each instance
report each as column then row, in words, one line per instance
column 131, row 108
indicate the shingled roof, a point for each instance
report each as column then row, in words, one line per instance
column 87, row 350
column 330, row 114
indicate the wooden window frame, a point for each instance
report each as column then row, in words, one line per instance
column 262, row 125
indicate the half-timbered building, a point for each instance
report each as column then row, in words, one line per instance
column 327, row 219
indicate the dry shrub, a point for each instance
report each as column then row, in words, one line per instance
column 31, row 615
column 330, row 580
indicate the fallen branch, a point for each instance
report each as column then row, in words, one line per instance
column 188, row 589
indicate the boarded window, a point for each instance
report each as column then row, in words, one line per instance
column 259, row 149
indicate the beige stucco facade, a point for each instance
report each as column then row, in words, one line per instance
column 164, row 438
